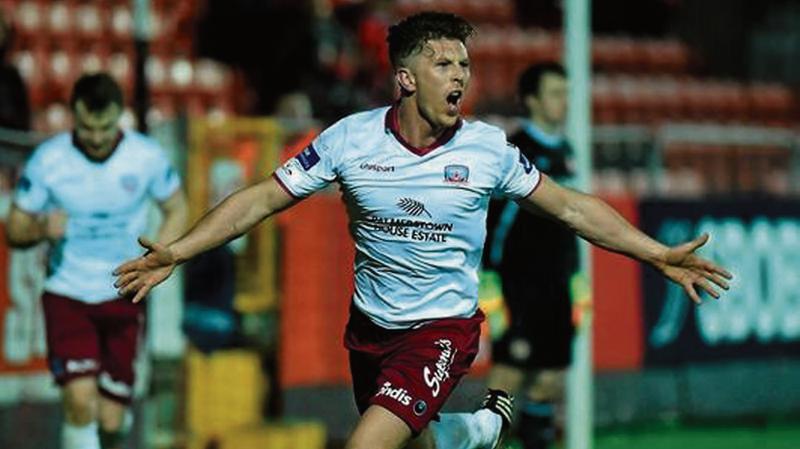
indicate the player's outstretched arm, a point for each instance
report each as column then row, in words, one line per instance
column 175, row 213
column 597, row 222
column 233, row 217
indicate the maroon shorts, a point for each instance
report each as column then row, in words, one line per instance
column 410, row 372
column 94, row 340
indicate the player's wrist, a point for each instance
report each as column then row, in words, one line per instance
column 44, row 229
column 658, row 257
column 176, row 254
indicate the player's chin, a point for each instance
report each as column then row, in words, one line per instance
column 449, row 117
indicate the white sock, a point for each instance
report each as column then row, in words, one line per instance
column 79, row 437
column 478, row 430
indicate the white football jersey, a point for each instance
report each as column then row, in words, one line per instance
column 417, row 216
column 106, row 204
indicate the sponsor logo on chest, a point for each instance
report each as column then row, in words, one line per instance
column 377, row 167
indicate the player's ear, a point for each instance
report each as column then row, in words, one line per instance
column 405, row 79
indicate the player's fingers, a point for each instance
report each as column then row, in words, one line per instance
column 131, row 288
column 714, row 268
column 697, row 243
column 141, row 294
column 721, row 271
column 717, row 279
column 707, row 287
column 148, row 244
column 127, row 267
column 126, row 279
column 689, row 288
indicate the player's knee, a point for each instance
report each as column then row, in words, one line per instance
column 549, row 386
column 111, row 424
column 112, row 416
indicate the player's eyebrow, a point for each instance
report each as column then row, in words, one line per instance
column 95, row 125
column 445, row 58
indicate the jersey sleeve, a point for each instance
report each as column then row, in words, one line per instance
column 519, row 176
column 315, row 167
column 31, row 193
column 165, row 181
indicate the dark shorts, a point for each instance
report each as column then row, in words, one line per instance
column 410, row 372
column 541, row 328
column 94, row 340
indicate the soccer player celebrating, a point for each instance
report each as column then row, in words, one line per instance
column 417, row 180
column 87, row 193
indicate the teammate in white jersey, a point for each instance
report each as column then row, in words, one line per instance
column 88, row 192
column 417, row 180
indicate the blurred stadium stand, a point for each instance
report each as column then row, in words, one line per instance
column 55, row 41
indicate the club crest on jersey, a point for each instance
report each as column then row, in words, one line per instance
column 129, row 183
column 308, row 157
column 456, row 174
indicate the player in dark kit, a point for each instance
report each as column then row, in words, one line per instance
column 536, row 259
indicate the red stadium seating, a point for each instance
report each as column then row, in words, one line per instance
column 58, row 40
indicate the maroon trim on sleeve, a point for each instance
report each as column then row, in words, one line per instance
column 286, row 189
column 535, row 186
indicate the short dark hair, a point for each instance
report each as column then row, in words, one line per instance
column 531, row 79
column 97, row 91
column 410, row 34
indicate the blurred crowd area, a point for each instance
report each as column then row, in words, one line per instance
column 658, row 65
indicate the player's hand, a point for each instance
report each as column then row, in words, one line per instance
column 138, row 276
column 55, row 224
column 681, row 265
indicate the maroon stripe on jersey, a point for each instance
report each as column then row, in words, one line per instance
column 535, row 186
column 393, row 125
column 285, row 189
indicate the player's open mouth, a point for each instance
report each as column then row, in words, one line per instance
column 454, row 100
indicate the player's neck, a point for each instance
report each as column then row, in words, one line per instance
column 414, row 128
column 553, row 129
column 97, row 156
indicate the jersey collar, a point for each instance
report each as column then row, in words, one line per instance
column 392, row 125
column 551, row 141
column 76, row 143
